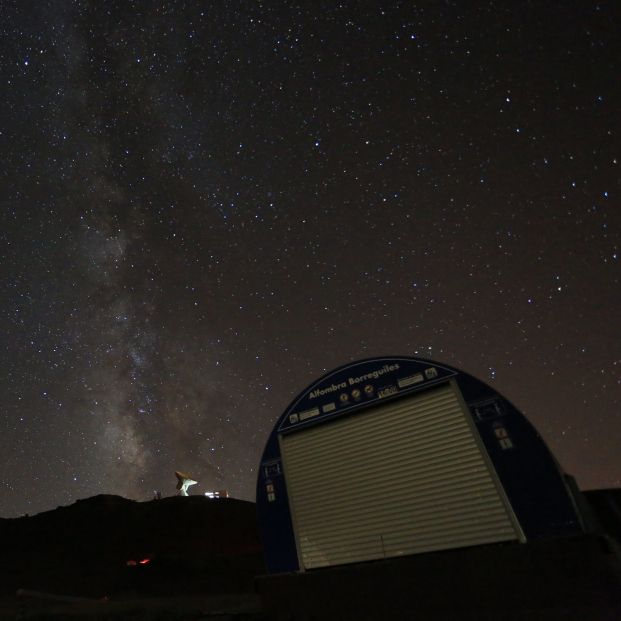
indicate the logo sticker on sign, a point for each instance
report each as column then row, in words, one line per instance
column 386, row 392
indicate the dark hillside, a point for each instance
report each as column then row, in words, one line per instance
column 187, row 545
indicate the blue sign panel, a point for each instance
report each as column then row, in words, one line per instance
column 359, row 385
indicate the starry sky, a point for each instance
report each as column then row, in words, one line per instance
column 207, row 205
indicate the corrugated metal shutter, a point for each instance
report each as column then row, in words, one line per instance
column 405, row 477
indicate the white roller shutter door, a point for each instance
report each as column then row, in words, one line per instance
column 404, row 477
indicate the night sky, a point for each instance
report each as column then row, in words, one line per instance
column 207, row 205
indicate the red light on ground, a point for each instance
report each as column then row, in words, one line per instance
column 133, row 563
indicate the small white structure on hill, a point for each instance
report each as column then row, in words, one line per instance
column 183, row 482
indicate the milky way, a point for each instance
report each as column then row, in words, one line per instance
column 207, row 205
